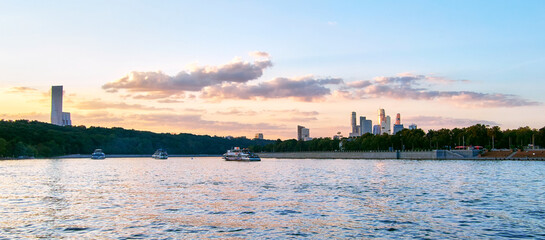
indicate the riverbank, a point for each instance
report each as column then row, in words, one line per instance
column 115, row 156
column 407, row 155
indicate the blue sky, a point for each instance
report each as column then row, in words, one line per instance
column 485, row 47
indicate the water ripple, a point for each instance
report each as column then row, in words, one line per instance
column 274, row 199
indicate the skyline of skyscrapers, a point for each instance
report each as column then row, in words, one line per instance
column 365, row 126
column 383, row 126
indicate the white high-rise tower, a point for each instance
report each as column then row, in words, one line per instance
column 56, row 105
column 58, row 117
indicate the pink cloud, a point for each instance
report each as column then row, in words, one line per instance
column 409, row 86
column 302, row 89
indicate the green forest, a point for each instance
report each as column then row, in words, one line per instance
column 476, row 135
column 38, row 139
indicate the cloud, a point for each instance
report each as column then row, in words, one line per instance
column 259, row 54
column 359, row 84
column 98, row 104
column 410, row 86
column 98, row 118
column 302, row 89
column 169, row 101
column 294, row 112
column 21, row 90
column 435, row 122
column 154, row 96
column 237, row 112
column 196, row 122
column 195, row 110
column 195, row 79
column 292, row 115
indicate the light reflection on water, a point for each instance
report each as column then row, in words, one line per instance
column 318, row 199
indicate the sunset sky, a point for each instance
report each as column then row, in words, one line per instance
column 242, row 67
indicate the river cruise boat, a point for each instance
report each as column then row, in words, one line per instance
column 237, row 154
column 160, row 154
column 98, row 154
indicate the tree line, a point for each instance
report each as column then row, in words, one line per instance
column 39, row 139
column 417, row 139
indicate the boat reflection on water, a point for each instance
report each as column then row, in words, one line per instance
column 237, row 154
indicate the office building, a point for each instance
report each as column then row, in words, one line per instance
column 376, row 130
column 259, row 136
column 385, row 126
column 66, row 121
column 303, row 134
column 381, row 116
column 58, row 117
column 355, row 128
column 412, row 126
column 366, row 126
column 398, row 126
column 56, row 105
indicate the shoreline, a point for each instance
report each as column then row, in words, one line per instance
column 113, row 156
column 395, row 155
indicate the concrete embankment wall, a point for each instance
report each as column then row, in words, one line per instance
column 435, row 154
column 331, row 155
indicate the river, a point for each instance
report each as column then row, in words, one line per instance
column 206, row 197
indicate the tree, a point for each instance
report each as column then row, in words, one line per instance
column 3, row 147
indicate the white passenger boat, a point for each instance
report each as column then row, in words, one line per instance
column 98, row 154
column 237, row 154
column 160, row 154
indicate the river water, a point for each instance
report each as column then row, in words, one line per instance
column 128, row 198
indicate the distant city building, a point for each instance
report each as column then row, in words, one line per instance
column 353, row 121
column 66, row 121
column 376, row 130
column 58, row 117
column 355, row 128
column 259, row 136
column 398, row 126
column 381, row 116
column 338, row 136
column 306, row 134
column 412, row 126
column 366, row 126
column 385, row 126
column 384, row 122
column 303, row 134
